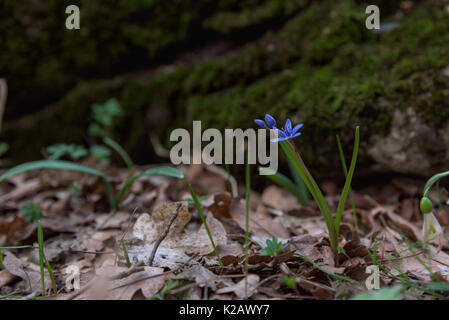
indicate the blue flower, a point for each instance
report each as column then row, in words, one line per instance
column 269, row 123
column 288, row 132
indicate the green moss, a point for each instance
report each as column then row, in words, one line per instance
column 323, row 68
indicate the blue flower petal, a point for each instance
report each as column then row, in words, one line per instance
column 260, row 123
column 271, row 122
column 282, row 133
column 297, row 127
column 288, row 125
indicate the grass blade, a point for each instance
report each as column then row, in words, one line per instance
column 165, row 171
column 18, row 247
column 40, row 240
column 125, row 253
column 203, row 218
column 60, row 165
column 347, row 186
column 345, row 170
column 52, row 278
column 121, row 152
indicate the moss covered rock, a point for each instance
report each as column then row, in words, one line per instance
column 321, row 67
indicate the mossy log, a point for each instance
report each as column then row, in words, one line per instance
column 322, row 68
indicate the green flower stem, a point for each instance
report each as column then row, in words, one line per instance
column 203, row 218
column 315, row 191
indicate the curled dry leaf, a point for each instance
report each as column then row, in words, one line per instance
column 219, row 204
column 280, row 199
column 244, row 288
column 31, row 276
column 203, row 277
column 261, row 222
column 13, row 229
column 6, row 278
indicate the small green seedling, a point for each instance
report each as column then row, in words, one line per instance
column 273, row 248
column 57, row 151
column 32, row 212
column 104, row 115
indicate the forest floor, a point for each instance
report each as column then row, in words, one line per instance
column 81, row 234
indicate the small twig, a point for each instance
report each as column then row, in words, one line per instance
column 164, row 234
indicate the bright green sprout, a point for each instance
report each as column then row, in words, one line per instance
column 273, row 248
column 32, row 212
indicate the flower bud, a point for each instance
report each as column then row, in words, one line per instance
column 426, row 205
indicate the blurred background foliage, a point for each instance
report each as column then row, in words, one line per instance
column 224, row 62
